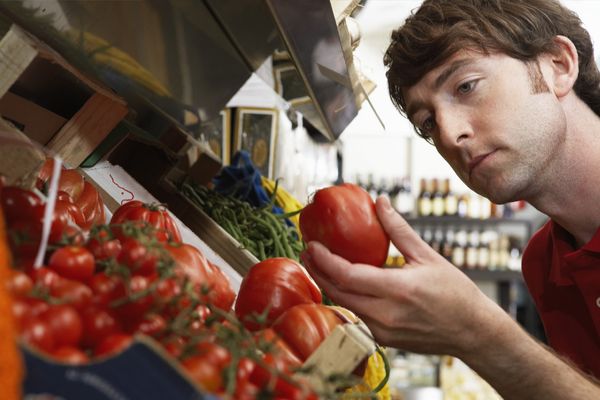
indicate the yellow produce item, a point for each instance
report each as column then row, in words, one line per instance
column 104, row 53
column 374, row 374
column 284, row 200
column 11, row 368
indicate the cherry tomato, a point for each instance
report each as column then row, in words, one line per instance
column 73, row 262
column 134, row 310
column 139, row 258
column 106, row 289
column 65, row 324
column 277, row 284
column 19, row 284
column 113, row 344
column 152, row 325
column 103, row 246
column 343, row 218
column 37, row 332
column 70, row 355
column 72, row 292
column 26, row 309
column 98, row 324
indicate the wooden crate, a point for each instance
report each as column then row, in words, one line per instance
column 51, row 101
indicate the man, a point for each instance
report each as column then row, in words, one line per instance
column 509, row 94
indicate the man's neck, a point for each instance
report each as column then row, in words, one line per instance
column 572, row 194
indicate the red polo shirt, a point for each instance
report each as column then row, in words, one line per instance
column 564, row 283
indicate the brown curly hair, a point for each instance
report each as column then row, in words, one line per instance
column 522, row 29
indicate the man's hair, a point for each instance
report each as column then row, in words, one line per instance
column 522, row 29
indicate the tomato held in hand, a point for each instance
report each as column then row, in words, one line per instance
column 305, row 326
column 277, row 284
column 343, row 218
column 155, row 215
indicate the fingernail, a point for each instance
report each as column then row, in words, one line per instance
column 387, row 206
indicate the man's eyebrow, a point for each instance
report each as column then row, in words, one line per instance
column 452, row 68
column 439, row 81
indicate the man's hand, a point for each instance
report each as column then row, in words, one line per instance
column 428, row 306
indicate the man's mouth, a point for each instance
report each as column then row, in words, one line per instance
column 476, row 161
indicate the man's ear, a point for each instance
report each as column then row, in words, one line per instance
column 564, row 65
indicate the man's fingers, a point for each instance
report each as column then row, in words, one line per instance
column 335, row 271
column 401, row 233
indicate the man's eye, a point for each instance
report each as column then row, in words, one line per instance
column 428, row 125
column 466, row 87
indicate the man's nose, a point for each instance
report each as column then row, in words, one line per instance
column 453, row 126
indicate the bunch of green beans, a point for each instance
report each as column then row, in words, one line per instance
column 258, row 230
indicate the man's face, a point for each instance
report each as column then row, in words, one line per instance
column 496, row 130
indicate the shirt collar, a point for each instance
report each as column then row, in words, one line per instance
column 566, row 258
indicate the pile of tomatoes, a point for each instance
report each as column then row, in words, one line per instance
column 102, row 284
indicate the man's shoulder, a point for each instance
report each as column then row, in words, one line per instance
column 537, row 253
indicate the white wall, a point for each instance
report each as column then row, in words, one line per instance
column 368, row 148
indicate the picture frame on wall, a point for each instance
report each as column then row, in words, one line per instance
column 256, row 132
column 289, row 84
column 217, row 134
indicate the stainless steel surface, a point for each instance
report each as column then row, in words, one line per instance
column 182, row 56
column 310, row 33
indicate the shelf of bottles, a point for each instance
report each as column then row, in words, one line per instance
column 482, row 238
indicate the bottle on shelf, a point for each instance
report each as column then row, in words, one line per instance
column 458, row 249
column 483, row 252
column 462, row 206
column 471, row 253
column 437, row 242
column 424, row 205
column 406, row 202
column 503, row 252
column 448, row 243
column 437, row 199
column 450, row 199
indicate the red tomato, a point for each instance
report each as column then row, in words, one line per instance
column 206, row 367
column 152, row 325
column 98, row 324
column 24, row 239
column 19, row 284
column 18, row 203
column 190, row 262
column 134, row 310
column 75, row 293
column 207, row 375
column 277, row 284
column 113, row 344
column 26, row 309
column 73, row 262
column 102, row 245
column 305, row 326
column 139, row 258
column 343, row 218
column 38, row 333
column 262, row 377
column 70, row 355
column 155, row 215
column 82, row 194
column 65, row 324
column 106, row 289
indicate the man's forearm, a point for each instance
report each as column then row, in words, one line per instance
column 519, row 367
